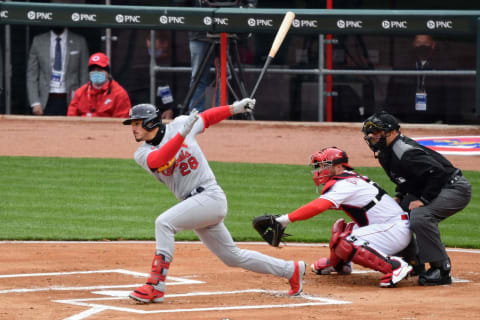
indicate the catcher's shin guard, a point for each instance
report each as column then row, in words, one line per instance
column 394, row 268
column 363, row 255
column 154, row 289
column 340, row 230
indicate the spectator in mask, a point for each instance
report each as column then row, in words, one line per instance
column 101, row 96
column 419, row 98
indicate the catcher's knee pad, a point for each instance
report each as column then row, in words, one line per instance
column 337, row 229
column 349, row 227
column 363, row 255
column 340, row 229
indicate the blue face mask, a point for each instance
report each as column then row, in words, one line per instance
column 158, row 52
column 98, row 77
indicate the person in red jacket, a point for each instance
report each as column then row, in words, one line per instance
column 101, row 96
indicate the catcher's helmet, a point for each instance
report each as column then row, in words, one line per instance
column 381, row 121
column 323, row 161
column 149, row 113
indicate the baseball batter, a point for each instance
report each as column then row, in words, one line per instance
column 380, row 227
column 171, row 154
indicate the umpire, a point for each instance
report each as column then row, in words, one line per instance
column 431, row 186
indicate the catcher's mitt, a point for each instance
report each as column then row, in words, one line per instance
column 269, row 229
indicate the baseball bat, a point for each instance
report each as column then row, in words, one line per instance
column 277, row 42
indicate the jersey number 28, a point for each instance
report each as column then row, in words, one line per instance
column 188, row 166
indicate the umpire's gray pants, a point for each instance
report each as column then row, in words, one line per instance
column 424, row 220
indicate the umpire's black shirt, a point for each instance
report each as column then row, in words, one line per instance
column 416, row 169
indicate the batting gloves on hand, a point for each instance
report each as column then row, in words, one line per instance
column 188, row 125
column 244, row 105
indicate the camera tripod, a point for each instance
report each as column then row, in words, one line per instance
column 234, row 69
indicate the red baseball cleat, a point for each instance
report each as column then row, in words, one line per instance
column 401, row 272
column 147, row 294
column 297, row 278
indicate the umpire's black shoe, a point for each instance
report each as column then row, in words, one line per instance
column 436, row 276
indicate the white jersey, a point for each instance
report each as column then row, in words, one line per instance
column 189, row 169
column 352, row 193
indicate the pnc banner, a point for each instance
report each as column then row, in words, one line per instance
column 231, row 20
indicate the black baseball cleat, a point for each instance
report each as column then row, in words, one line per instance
column 436, row 276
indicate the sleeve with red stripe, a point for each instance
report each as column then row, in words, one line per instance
column 310, row 210
column 215, row 115
column 159, row 158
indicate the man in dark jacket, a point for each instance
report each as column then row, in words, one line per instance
column 421, row 98
column 432, row 187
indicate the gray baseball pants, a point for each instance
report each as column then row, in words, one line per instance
column 424, row 220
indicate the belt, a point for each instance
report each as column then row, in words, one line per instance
column 194, row 192
column 455, row 176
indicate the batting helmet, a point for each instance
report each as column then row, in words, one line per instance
column 381, row 121
column 323, row 161
column 149, row 113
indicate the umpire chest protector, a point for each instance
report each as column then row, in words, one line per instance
column 415, row 169
column 358, row 214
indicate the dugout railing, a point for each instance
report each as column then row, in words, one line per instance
column 236, row 20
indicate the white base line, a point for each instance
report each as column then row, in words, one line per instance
column 122, row 271
column 172, row 281
column 87, row 313
column 95, row 307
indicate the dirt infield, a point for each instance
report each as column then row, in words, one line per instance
column 66, row 280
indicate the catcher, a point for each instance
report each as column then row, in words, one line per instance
column 380, row 228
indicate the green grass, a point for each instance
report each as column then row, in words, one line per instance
column 94, row 199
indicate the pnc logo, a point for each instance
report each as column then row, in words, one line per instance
column 252, row 22
column 297, row 23
column 221, row 21
column 76, row 17
column 349, row 24
column 39, row 15
column 173, row 20
column 206, row 21
column 394, row 24
column 439, row 24
column 125, row 18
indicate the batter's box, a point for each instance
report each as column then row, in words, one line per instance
column 97, row 305
column 91, row 280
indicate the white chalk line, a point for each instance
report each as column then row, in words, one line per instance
column 95, row 308
column 171, row 281
column 122, row 271
column 87, row 313
column 123, row 295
